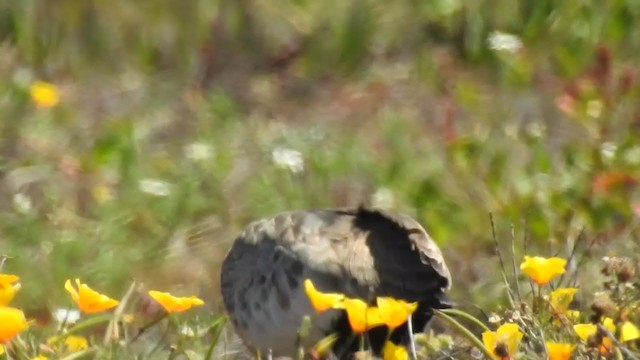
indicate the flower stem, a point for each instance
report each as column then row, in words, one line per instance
column 467, row 316
column 465, row 333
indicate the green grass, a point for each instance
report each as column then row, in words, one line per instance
column 404, row 100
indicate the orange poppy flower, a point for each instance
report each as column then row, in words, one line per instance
column 9, row 286
column 44, row 95
column 559, row 351
column 395, row 312
column 503, row 343
column 361, row 316
column 323, row 301
column 12, row 321
column 542, row 270
column 174, row 304
column 391, row 351
column 88, row 300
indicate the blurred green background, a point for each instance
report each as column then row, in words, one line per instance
column 181, row 121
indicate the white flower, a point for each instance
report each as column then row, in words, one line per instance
column 22, row 77
column 190, row 331
column 632, row 155
column 500, row 41
column 608, row 150
column 22, row 203
column 494, row 319
column 155, row 187
column 594, row 108
column 516, row 316
column 511, row 130
column 288, row 159
column 68, row 316
column 383, row 198
column 536, row 129
column 198, row 151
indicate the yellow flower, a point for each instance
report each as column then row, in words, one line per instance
column 559, row 351
column 395, row 312
column 361, row 316
column 569, row 316
column 573, row 315
column 102, row 193
column 174, row 304
column 503, row 343
column 72, row 343
column 323, row 301
column 8, row 279
column 629, row 332
column 44, row 95
column 89, row 301
column 392, row 351
column 40, row 357
column 12, row 321
column 542, row 270
column 2, row 351
column 585, row 331
column 609, row 324
column 76, row 343
column 561, row 298
column 9, row 285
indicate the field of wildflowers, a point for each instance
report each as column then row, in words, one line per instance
column 543, row 322
column 137, row 138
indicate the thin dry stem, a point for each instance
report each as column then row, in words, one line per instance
column 502, row 267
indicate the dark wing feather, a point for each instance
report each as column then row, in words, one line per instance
column 409, row 264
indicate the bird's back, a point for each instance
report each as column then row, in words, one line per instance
column 359, row 252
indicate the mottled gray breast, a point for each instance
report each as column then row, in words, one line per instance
column 360, row 252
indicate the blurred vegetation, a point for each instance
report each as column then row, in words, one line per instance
column 165, row 141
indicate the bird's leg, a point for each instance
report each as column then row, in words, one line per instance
column 412, row 340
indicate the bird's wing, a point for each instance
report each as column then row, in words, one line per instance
column 421, row 242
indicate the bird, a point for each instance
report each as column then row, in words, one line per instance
column 362, row 252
